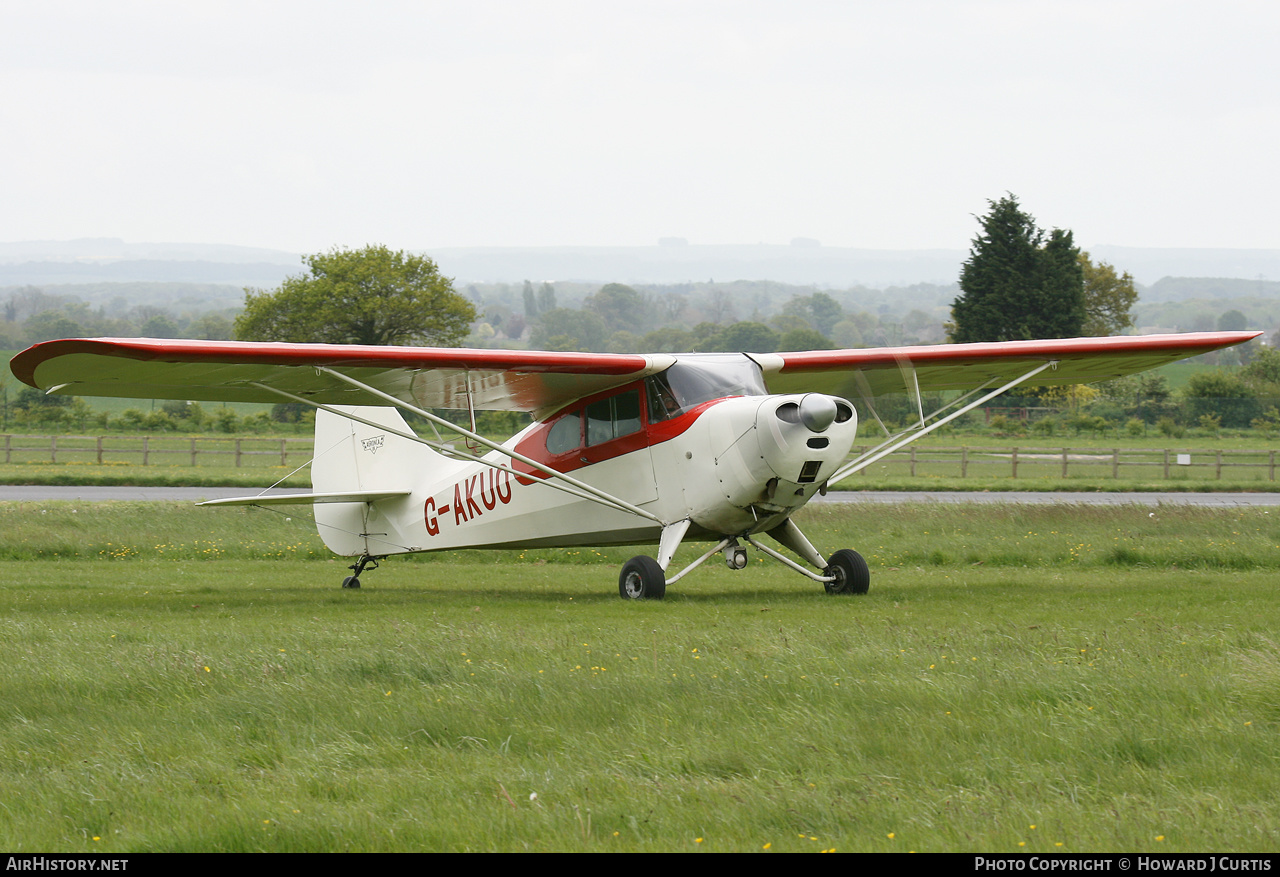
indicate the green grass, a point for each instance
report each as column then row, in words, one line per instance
column 1018, row 679
column 152, row 476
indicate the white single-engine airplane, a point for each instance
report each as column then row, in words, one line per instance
column 624, row 449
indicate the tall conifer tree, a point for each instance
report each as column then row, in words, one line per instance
column 1016, row 284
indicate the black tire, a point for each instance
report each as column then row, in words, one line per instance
column 351, row 582
column 851, row 572
column 642, row 579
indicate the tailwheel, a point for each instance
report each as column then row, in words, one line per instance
column 851, row 573
column 642, row 579
column 365, row 562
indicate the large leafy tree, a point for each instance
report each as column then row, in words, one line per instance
column 620, row 306
column 372, row 295
column 743, row 337
column 1018, row 283
column 1108, row 298
column 568, row 329
column 1221, row 394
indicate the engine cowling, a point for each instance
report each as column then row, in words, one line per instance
column 771, row 455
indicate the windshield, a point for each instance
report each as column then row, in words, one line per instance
column 691, row 382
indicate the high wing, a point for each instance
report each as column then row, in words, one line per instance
column 540, row 382
column 879, row 371
column 535, row 381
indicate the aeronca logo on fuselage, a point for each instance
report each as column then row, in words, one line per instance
column 372, row 445
column 472, row 497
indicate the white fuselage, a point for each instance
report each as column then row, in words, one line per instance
column 736, row 466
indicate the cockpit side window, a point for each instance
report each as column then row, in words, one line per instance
column 662, row 399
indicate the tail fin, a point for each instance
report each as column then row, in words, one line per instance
column 352, row 457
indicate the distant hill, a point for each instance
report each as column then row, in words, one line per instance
column 1188, row 288
column 46, row 274
column 116, row 250
column 1150, row 265
column 804, row 262
column 796, row 264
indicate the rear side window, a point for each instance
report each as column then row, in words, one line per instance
column 613, row 418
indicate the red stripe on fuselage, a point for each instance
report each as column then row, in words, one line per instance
column 534, row 445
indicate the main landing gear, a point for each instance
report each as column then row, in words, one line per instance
column 365, row 561
column 848, row 572
column 845, row 572
column 642, row 579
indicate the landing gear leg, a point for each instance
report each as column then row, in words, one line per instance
column 365, row 561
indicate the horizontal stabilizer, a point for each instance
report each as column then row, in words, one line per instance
column 307, row 498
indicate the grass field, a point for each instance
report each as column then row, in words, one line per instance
column 1018, row 679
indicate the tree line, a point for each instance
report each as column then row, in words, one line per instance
column 1019, row 282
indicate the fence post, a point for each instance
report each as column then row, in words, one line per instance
column 99, row 450
column 1272, row 464
column 237, row 453
column 964, row 461
column 1015, row 462
column 1218, row 466
column 53, row 449
column 1115, row 462
column 913, row 461
column 193, row 452
column 146, row 450
column 284, row 455
column 1166, row 464
column 1064, row 462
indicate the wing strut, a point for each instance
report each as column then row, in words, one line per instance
column 571, row 485
column 897, row 442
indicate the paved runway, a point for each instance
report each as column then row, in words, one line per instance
column 28, row 493
column 1053, row 498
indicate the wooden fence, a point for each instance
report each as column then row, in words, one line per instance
column 147, row 450
column 916, row 461
column 1014, row 462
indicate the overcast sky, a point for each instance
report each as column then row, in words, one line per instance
column 308, row 125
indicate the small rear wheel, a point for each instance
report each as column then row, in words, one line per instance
column 351, row 582
column 851, row 573
column 642, row 579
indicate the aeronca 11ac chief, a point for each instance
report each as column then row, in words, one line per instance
column 624, row 449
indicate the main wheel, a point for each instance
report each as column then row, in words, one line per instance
column 850, row 570
column 642, row 579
